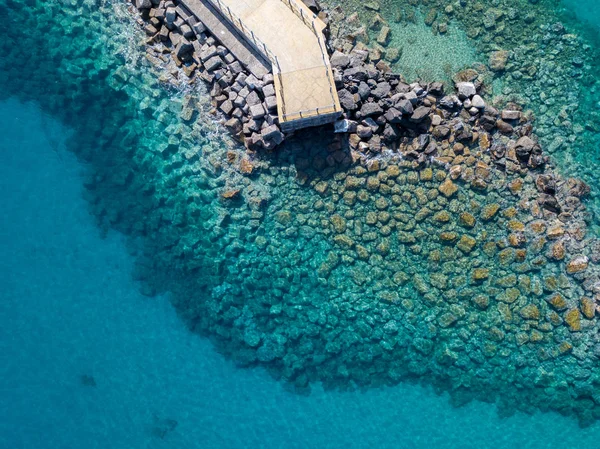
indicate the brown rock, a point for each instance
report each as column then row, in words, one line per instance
column 442, row 217
column 577, row 265
column 338, row 223
column 482, row 301
column 555, row 232
column 448, row 236
column 467, row 220
column 498, row 60
column 530, row 312
column 466, row 243
column 231, row 194
column 558, row 251
column 588, row 308
column 448, row 188
column 489, row 211
column 573, row 320
column 426, row 174
column 321, row 187
column 538, row 227
column 506, row 256
column 480, row 274
column 557, row 301
column 246, row 167
column 516, row 186
column 515, row 225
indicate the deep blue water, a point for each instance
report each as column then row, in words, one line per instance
column 69, row 309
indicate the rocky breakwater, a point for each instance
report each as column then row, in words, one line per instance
column 422, row 125
column 449, row 251
column 182, row 47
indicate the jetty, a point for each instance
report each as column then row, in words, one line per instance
column 283, row 37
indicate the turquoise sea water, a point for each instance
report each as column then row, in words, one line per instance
column 87, row 361
column 70, row 309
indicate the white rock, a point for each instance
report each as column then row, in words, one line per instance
column 466, row 90
column 478, row 102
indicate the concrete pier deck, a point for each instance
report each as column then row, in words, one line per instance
column 291, row 37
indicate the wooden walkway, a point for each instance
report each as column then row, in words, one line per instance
column 291, row 37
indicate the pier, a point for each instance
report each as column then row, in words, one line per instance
column 286, row 35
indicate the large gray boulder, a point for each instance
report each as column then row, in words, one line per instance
column 466, row 90
column 370, row 109
column 143, row 4
column 339, row 59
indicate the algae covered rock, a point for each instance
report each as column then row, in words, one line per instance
column 489, row 211
column 466, row 243
column 338, row 223
column 498, row 60
column 557, row 302
column 573, row 320
column 588, row 308
column 530, row 312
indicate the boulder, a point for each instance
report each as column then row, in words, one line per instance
column 234, row 125
column 184, row 49
column 466, row 90
column 272, row 134
column 271, row 103
column 524, row 146
column 549, row 202
column 390, row 133
column 252, row 99
column 364, row 90
column 393, row 115
column 213, row 63
column 171, row 16
column 257, row 111
column 344, row 126
column 381, row 90
column 313, row 5
column 347, row 100
column 498, row 60
column 370, row 109
column 449, row 102
column 477, row 102
column 420, row 114
column 339, row 60
column 404, row 106
column 268, row 90
column 504, row 127
column 384, row 36
column 364, row 132
column 436, row 89
column 511, row 115
column 356, row 73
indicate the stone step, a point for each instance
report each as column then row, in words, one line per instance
column 228, row 36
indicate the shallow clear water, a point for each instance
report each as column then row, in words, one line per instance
column 87, row 361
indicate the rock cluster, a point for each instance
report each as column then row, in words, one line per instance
column 449, row 250
column 537, row 57
column 470, row 270
column 248, row 104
